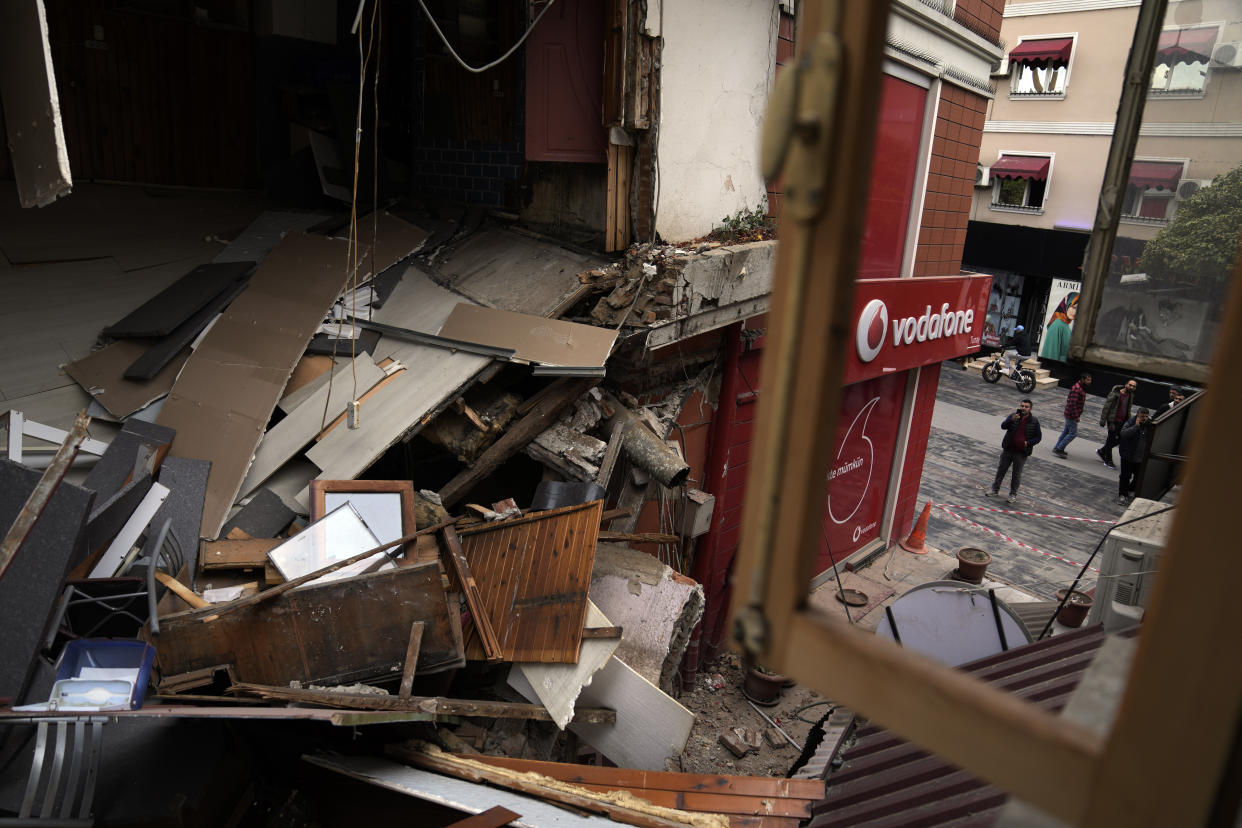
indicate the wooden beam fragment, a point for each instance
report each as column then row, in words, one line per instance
column 43, row 491
column 236, row 554
column 474, row 600
column 610, row 456
column 411, row 659
column 515, row 438
column 433, row 759
column 435, row 705
column 493, row 817
column 601, row 632
column 638, row 537
column 181, row 590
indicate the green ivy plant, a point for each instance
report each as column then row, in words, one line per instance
column 746, row 225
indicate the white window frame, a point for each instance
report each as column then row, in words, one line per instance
column 1015, row 70
column 1171, row 196
column 1026, row 210
column 1167, row 94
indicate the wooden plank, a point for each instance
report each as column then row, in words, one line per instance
column 182, row 591
column 364, row 402
column 36, row 136
column 638, row 537
column 300, row 426
column 515, row 438
column 602, row 632
column 493, row 817
column 340, row 632
column 448, row 764
column 460, row 568
column 557, row 686
column 225, row 394
column 533, row 575
column 237, row 554
column 809, row 790
column 610, row 459
column 411, row 660
column 715, row 803
column 436, row 705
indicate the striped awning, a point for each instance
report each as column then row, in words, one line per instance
column 1185, row 46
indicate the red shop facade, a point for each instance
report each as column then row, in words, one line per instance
column 903, row 329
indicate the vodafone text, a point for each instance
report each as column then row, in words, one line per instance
column 931, row 325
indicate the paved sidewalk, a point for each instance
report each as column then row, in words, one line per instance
column 1037, row 553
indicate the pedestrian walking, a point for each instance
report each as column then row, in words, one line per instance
column 1176, row 395
column 1132, row 447
column 1021, row 434
column 1115, row 415
column 1074, row 404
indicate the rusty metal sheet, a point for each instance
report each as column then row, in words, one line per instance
column 533, row 574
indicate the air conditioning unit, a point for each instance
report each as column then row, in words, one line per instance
column 1190, row 186
column 1000, row 69
column 1227, row 55
column 1131, row 556
column 983, row 176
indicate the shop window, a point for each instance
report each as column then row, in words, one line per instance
column 1150, row 191
column 1182, row 61
column 1020, row 182
column 1040, row 67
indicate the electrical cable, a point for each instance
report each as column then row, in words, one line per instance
column 497, row 61
column 1044, row 632
column 797, row 712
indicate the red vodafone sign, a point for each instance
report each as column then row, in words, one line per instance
column 904, row 323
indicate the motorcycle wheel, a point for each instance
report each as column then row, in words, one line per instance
column 1025, row 381
column 991, row 373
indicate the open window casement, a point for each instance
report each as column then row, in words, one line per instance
column 1167, row 755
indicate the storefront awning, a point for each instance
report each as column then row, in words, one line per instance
column 1157, row 174
column 1053, row 51
column 1185, row 46
column 1034, row 167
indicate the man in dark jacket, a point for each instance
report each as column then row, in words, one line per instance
column 1074, row 404
column 1019, row 347
column 1021, row 434
column 1115, row 414
column 1132, row 445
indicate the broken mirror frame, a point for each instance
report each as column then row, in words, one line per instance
column 387, row 506
column 340, row 534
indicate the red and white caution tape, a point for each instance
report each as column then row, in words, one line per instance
column 943, row 507
column 1026, row 514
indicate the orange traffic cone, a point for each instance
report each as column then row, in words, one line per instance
column 916, row 543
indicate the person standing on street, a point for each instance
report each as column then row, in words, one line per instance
column 1074, row 404
column 1132, row 446
column 1021, row 434
column 1116, row 413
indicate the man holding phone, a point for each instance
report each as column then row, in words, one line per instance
column 1022, row 432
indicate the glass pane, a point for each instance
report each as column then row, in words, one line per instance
column 338, row 535
column 1171, row 262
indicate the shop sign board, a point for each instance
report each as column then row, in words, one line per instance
column 901, row 324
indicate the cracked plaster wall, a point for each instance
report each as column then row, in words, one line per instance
column 715, row 78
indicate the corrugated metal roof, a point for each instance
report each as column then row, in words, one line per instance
column 885, row 780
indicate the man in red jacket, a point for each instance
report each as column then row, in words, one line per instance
column 1022, row 432
column 1073, row 410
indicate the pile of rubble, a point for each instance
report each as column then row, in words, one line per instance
column 221, row 557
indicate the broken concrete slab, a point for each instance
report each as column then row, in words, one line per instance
column 655, row 606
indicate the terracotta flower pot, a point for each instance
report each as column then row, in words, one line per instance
column 972, row 563
column 762, row 688
column 1075, row 610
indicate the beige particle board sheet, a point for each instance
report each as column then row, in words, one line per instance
column 293, row 433
column 434, row 375
column 533, row 338
column 102, row 375
column 221, row 402
column 557, row 686
column 394, row 240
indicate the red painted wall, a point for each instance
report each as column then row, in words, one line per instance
column 564, row 84
column 898, row 132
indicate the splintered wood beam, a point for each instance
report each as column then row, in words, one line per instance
column 435, row 705
column 587, row 800
column 474, row 600
column 43, row 491
column 601, row 632
column 610, row 455
column 638, row 537
column 267, row 595
column 493, row 817
column 411, row 660
column 541, row 415
column 182, row 591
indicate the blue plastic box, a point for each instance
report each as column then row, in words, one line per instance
column 109, row 653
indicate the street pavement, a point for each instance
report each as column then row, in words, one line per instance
column 1039, row 554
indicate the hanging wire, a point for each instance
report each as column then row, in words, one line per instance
column 497, row 61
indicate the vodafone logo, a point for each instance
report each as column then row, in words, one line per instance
column 872, row 326
column 930, row 326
